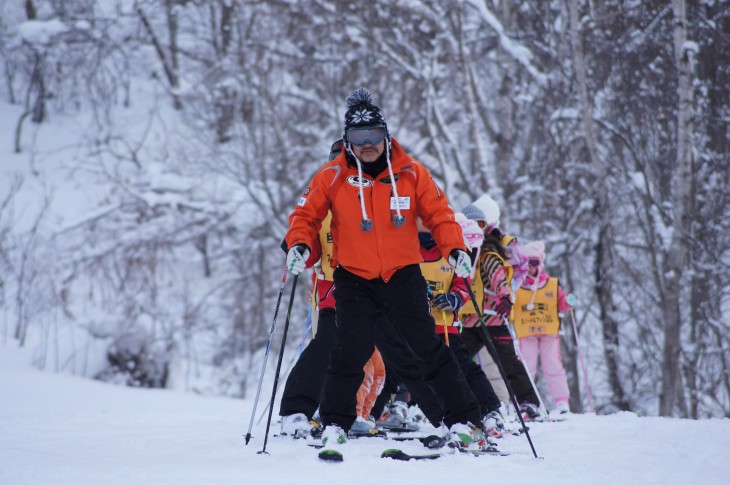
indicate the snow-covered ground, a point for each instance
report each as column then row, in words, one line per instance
column 58, row 429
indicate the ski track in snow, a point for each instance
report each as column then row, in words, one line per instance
column 59, row 429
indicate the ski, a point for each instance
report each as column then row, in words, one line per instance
column 545, row 420
column 400, row 455
column 372, row 433
column 405, row 428
column 432, row 441
column 331, row 456
column 493, row 452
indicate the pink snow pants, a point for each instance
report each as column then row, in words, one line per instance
column 547, row 348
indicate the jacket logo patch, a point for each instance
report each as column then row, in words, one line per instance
column 302, row 201
column 309, row 189
column 354, row 180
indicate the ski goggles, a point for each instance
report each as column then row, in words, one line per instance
column 533, row 262
column 371, row 134
column 474, row 240
column 335, row 149
column 485, row 226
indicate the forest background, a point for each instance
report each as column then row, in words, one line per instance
column 152, row 150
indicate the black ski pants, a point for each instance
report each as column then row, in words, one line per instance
column 404, row 304
column 474, row 339
column 424, row 396
column 405, row 374
column 480, row 386
column 303, row 388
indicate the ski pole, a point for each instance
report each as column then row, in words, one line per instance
column 292, row 361
column 518, row 351
column 266, row 355
column 497, row 361
column 582, row 363
column 278, row 364
column 446, row 327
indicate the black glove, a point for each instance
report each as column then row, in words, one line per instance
column 448, row 301
column 503, row 306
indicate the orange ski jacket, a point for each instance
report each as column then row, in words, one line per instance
column 386, row 248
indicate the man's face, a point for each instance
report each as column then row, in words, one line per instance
column 368, row 152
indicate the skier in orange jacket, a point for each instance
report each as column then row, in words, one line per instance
column 376, row 192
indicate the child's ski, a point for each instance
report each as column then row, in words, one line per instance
column 400, row 455
column 331, row 456
column 404, row 428
column 431, row 441
column 548, row 419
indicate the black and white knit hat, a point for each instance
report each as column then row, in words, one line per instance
column 363, row 113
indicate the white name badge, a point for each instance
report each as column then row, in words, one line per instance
column 401, row 203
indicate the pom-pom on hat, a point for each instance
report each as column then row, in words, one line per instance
column 361, row 111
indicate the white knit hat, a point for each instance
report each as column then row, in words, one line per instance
column 490, row 208
column 535, row 249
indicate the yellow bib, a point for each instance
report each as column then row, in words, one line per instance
column 439, row 275
column 478, row 288
column 542, row 318
column 325, row 240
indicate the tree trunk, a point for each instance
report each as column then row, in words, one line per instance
column 228, row 10
column 172, row 30
column 169, row 57
column 30, row 11
column 604, row 290
column 603, row 269
column 676, row 257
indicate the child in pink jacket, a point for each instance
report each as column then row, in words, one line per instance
column 537, row 304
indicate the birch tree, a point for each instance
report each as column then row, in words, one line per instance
column 682, row 182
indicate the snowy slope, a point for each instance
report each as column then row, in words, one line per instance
column 58, row 429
